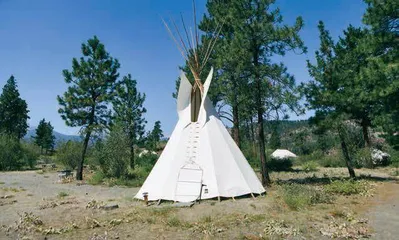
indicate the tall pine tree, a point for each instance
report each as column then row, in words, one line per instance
column 383, row 62
column 129, row 110
column 92, row 84
column 13, row 111
column 329, row 92
column 255, row 28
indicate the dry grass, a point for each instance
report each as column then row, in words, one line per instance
column 296, row 206
column 13, row 189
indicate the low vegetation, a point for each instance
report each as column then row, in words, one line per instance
column 310, row 166
column 298, row 196
column 347, row 187
column 62, row 194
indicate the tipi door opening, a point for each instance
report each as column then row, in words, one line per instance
column 195, row 104
column 189, row 183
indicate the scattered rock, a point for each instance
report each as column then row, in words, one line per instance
column 380, row 158
column 7, row 196
column 109, row 207
column 8, row 202
column 115, row 222
column 280, row 228
column 93, row 204
column 92, row 223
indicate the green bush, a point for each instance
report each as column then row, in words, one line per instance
column 316, row 156
column 394, row 157
column 10, row 153
column 113, row 154
column 279, row 164
column 310, row 166
column 69, row 154
column 30, row 154
column 251, row 154
column 362, row 158
column 346, row 187
column 62, row 194
column 332, row 161
column 147, row 161
column 298, row 196
column 97, row 178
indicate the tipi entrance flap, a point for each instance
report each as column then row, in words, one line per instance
column 189, row 183
column 183, row 97
column 202, row 111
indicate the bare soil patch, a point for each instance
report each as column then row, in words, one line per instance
column 45, row 208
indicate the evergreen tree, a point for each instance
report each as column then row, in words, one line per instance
column 275, row 141
column 13, row 111
column 92, row 84
column 41, row 132
column 49, row 139
column 129, row 110
column 229, row 58
column 154, row 137
column 383, row 62
column 257, row 30
column 329, row 93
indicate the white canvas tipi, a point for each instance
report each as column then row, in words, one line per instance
column 200, row 160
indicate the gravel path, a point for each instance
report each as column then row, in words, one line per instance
column 384, row 216
column 31, row 189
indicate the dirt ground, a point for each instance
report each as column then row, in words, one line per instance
column 33, row 205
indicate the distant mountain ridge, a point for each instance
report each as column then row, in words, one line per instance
column 59, row 137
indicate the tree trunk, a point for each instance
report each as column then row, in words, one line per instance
column 259, row 107
column 261, row 135
column 79, row 172
column 131, row 156
column 236, row 126
column 262, row 149
column 365, row 131
column 347, row 157
column 252, row 130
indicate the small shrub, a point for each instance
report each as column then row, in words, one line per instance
column 173, row 222
column 30, row 154
column 394, row 157
column 113, row 154
column 62, row 194
column 147, row 160
column 69, row 154
column 207, row 219
column 298, row 196
column 280, row 164
column 162, row 212
column 310, row 166
column 250, row 153
column 97, row 178
column 346, row 187
column 10, row 153
column 362, row 158
column 332, row 161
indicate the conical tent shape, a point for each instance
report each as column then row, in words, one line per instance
column 200, row 159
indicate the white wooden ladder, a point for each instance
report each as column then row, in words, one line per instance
column 189, row 179
column 193, row 142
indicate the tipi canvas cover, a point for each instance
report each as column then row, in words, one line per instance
column 200, row 160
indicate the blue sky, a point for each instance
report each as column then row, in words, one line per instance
column 40, row 38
